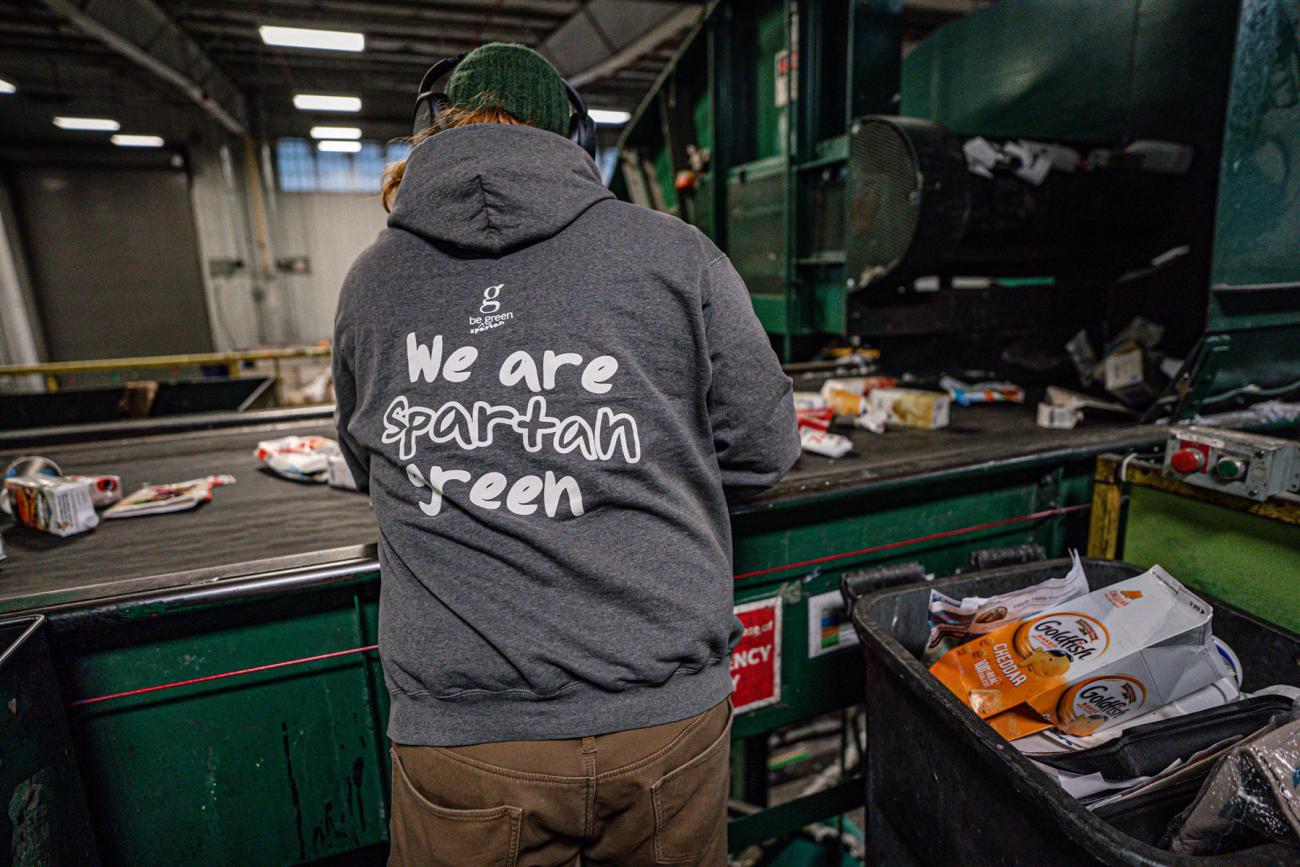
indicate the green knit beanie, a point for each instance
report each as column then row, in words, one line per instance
column 514, row 78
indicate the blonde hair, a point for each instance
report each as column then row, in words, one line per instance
column 449, row 118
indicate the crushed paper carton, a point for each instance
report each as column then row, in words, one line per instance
column 872, row 419
column 816, row 419
column 1090, row 662
column 822, row 443
column 1131, row 375
column 104, row 490
column 910, row 407
column 340, row 475
column 1058, row 417
column 303, row 459
column 1083, row 356
column 52, row 504
column 1140, row 330
column 1219, row 693
column 859, row 385
column 966, row 394
column 848, row 403
column 159, row 499
column 1063, row 397
column 954, row 621
column 808, row 400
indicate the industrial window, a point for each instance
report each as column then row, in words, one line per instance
column 606, row 160
column 295, row 165
column 301, row 168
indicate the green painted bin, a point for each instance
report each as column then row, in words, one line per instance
column 43, row 816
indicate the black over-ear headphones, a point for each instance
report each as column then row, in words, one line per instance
column 430, row 103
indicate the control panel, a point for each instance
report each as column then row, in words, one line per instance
column 1242, row 464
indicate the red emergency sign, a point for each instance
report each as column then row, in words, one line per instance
column 756, row 660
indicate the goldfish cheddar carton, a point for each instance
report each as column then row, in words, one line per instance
column 1090, row 662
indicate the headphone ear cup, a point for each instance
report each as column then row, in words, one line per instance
column 429, row 102
column 424, row 114
column 428, row 108
column 582, row 131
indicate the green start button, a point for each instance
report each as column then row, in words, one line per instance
column 1229, row 469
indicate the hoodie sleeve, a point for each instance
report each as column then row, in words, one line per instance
column 751, row 401
column 345, row 404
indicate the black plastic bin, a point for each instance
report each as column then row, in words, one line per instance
column 944, row 789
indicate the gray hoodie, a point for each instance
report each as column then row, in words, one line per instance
column 547, row 393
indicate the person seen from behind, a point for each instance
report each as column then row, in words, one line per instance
column 549, row 394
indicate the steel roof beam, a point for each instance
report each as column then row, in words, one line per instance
column 370, row 24
column 245, row 29
column 664, row 29
column 141, row 32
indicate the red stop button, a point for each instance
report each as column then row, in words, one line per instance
column 1187, row 460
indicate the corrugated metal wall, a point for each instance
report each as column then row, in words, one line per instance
column 245, row 309
column 20, row 339
column 221, row 221
column 112, row 255
column 330, row 230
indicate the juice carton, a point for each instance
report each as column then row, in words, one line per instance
column 53, row 504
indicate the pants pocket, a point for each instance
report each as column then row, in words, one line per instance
column 690, row 804
column 427, row 834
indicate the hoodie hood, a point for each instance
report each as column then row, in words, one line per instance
column 488, row 188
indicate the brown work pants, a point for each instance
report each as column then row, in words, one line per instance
column 655, row 795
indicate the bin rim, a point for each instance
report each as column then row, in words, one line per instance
column 1090, row 832
column 34, row 623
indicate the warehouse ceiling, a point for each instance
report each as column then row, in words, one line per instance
column 168, row 67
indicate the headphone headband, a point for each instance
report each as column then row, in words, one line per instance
column 430, row 103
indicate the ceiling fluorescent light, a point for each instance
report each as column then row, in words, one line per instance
column 137, row 141
column 7, row 86
column 339, row 147
column 336, row 132
column 304, row 37
column 91, row 124
column 319, row 102
column 609, row 118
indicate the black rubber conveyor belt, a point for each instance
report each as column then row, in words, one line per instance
column 264, row 522
column 259, row 523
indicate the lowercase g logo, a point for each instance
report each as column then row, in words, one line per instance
column 490, row 303
column 1072, row 634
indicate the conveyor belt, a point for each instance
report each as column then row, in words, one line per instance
column 261, row 522
column 977, row 436
column 264, row 522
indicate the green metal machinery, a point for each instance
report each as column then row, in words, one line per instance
column 839, row 186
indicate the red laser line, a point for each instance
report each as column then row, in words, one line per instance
column 224, row 674
column 1048, row 513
